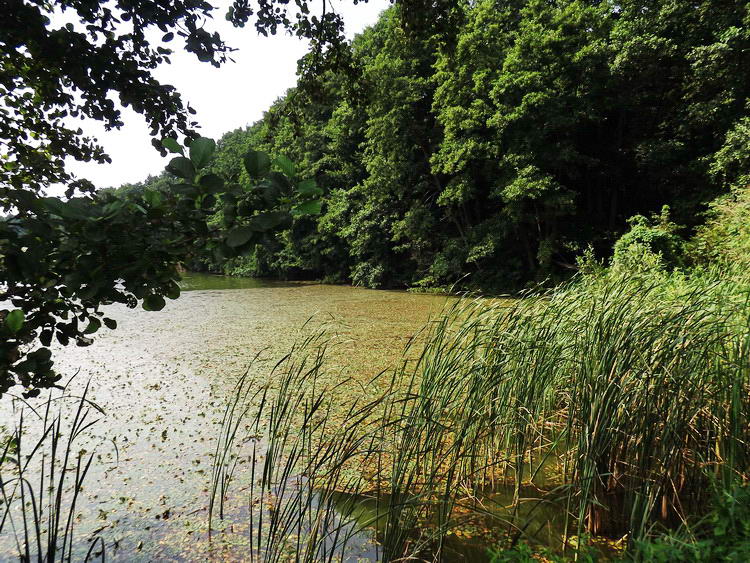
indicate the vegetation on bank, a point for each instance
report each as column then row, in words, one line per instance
column 615, row 410
column 493, row 148
column 505, row 144
column 605, row 418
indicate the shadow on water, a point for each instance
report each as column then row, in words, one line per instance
column 477, row 526
column 355, row 529
column 206, row 282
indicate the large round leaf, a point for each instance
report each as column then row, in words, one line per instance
column 201, row 150
column 171, row 145
column 311, row 207
column 286, row 165
column 309, row 188
column 14, row 320
column 267, row 220
column 212, row 183
column 94, row 325
column 153, row 302
column 281, row 182
column 181, row 167
column 239, row 236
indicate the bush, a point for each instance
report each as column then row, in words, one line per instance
column 725, row 238
column 724, row 535
column 657, row 236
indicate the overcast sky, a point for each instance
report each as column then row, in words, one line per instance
column 226, row 98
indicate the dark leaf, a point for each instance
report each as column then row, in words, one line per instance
column 172, row 145
column 173, row 290
column 287, row 166
column 267, row 220
column 239, row 236
column 153, row 302
column 212, row 183
column 311, row 207
column 309, row 188
column 94, row 325
column 257, row 164
column 181, row 167
column 201, row 151
column 14, row 320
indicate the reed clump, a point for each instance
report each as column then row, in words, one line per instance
column 632, row 390
column 616, row 398
column 44, row 462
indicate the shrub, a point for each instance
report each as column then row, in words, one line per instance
column 657, row 235
column 725, row 238
column 723, row 535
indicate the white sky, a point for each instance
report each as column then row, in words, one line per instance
column 232, row 96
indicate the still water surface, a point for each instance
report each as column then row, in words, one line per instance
column 163, row 379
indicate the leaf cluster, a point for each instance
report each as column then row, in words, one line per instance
column 62, row 260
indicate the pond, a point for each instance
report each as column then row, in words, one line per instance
column 163, row 380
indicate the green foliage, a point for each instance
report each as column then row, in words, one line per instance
column 725, row 238
column 63, row 259
column 257, row 164
column 44, row 63
column 201, row 151
column 523, row 553
column 490, row 151
column 731, row 163
column 621, row 400
column 722, row 536
column 518, row 554
column 657, row 236
column 171, row 145
column 14, row 320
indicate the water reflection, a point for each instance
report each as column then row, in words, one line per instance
column 477, row 524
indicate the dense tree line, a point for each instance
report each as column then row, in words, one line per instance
column 494, row 149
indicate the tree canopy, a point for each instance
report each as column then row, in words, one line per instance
column 484, row 143
column 494, row 150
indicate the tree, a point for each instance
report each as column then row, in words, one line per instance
column 60, row 260
column 495, row 144
column 490, row 138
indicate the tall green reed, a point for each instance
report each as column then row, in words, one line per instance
column 43, row 465
column 302, row 456
column 614, row 397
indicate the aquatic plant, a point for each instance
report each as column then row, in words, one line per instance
column 299, row 451
column 617, row 398
column 43, row 465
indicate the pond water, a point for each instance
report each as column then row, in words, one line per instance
column 163, row 380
